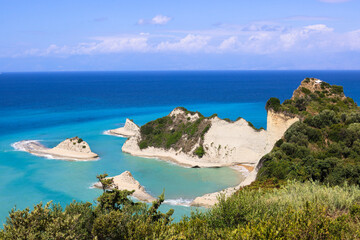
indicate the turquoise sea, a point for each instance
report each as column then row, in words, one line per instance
column 50, row 107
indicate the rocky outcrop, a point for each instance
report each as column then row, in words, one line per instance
column 129, row 129
column 126, row 181
column 225, row 143
column 312, row 85
column 70, row 149
column 74, row 144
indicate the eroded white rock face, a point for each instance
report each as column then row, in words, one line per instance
column 126, row 181
column 129, row 129
column 277, row 124
column 233, row 142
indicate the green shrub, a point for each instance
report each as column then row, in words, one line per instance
column 199, row 151
column 301, row 104
column 143, row 144
column 206, row 129
column 305, row 90
column 173, row 138
column 337, row 89
column 279, row 142
column 273, row 103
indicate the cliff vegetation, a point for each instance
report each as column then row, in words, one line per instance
column 325, row 145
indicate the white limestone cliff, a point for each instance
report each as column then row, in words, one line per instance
column 277, row 124
column 225, row 143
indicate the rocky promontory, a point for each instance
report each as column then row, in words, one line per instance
column 190, row 139
column 70, row 149
column 193, row 140
column 129, row 129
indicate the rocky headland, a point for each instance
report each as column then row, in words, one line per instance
column 70, row 149
column 192, row 140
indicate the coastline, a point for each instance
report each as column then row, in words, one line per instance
column 210, row 199
column 228, row 144
column 246, row 173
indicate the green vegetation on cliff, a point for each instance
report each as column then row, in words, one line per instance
column 312, row 98
column 178, row 131
column 324, row 145
column 181, row 129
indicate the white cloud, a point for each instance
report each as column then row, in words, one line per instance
column 229, row 43
column 252, row 39
column 319, row 27
column 160, row 19
column 157, row 20
column 100, row 46
column 190, row 43
column 353, row 40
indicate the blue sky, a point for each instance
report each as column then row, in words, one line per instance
column 179, row 35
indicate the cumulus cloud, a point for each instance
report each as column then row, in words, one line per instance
column 317, row 37
column 157, row 20
column 160, row 19
column 190, row 43
column 251, row 39
column 101, row 45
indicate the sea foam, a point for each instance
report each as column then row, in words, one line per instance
column 179, row 201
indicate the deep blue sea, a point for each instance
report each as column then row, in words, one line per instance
column 50, row 107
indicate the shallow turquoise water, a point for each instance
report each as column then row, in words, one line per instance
column 26, row 179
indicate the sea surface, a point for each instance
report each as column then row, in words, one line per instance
column 50, row 107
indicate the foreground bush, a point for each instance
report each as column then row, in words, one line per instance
column 261, row 211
